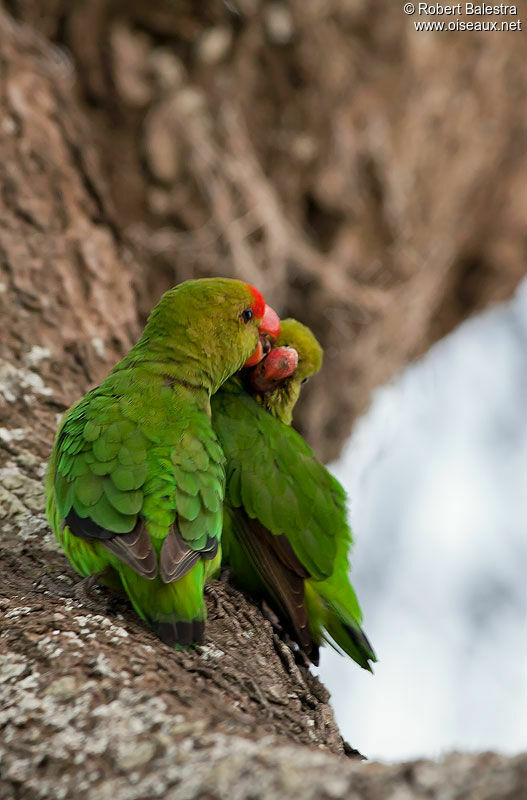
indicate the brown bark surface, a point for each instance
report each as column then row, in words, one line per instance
column 371, row 180
column 89, row 696
column 91, row 704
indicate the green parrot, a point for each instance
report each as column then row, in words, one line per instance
column 136, row 480
column 285, row 532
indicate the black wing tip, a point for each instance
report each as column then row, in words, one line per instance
column 135, row 550
column 210, row 550
column 180, row 633
column 86, row 528
column 314, row 654
column 178, row 557
column 362, row 643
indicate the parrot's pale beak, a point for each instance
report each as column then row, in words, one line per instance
column 270, row 324
column 276, row 367
column 256, row 356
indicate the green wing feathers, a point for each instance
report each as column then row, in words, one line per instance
column 274, row 475
column 266, row 564
column 279, row 494
column 136, row 479
column 137, row 485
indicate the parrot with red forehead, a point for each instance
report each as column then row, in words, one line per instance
column 136, row 479
column 285, row 532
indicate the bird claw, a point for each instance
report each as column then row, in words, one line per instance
column 211, row 592
column 81, row 590
column 55, row 588
column 300, row 657
column 271, row 617
column 287, row 657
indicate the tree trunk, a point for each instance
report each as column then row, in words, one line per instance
column 370, row 179
column 92, row 705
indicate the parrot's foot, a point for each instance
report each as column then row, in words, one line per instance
column 271, row 617
column 82, row 591
column 298, row 654
column 211, row 592
column 301, row 658
column 53, row 587
column 287, row 657
column 79, row 591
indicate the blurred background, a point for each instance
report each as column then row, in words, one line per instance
column 437, row 477
column 372, row 181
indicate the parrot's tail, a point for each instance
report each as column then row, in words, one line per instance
column 338, row 621
column 180, row 633
column 352, row 640
column 176, row 611
column 334, row 606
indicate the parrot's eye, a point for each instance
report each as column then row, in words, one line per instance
column 305, row 380
column 247, row 315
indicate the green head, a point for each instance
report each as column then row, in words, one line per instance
column 190, row 325
column 276, row 383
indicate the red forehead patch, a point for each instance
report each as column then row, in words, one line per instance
column 258, row 306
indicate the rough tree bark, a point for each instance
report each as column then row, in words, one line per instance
column 92, row 697
column 91, row 704
column 369, row 178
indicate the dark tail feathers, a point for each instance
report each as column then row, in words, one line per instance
column 362, row 644
column 180, row 632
